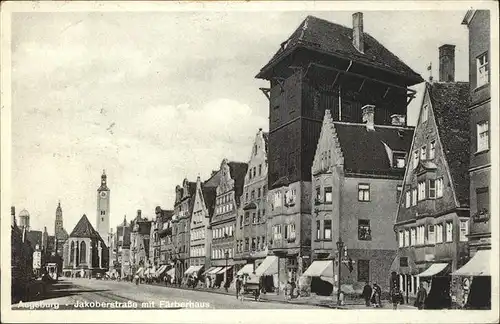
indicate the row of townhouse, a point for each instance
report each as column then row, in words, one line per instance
column 443, row 219
column 341, row 179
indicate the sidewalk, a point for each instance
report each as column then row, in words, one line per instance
column 313, row 300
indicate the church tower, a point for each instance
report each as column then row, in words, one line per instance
column 58, row 225
column 102, row 223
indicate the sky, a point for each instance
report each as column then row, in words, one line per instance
column 154, row 98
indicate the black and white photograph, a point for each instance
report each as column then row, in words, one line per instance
column 291, row 159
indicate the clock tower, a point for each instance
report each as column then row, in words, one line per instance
column 102, row 223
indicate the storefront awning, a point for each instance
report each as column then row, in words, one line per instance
column 268, row 267
column 208, row 270
column 247, row 268
column 171, row 272
column 160, row 270
column 224, row 269
column 433, row 270
column 193, row 269
column 140, row 271
column 189, row 270
column 479, row 265
column 215, row 270
column 320, row 268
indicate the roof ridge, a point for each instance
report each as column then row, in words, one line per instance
column 376, row 125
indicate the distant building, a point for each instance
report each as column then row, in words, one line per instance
column 60, row 234
column 162, row 216
column 103, row 209
column 122, row 264
column 24, row 220
column 203, row 208
column 223, row 222
column 85, row 251
column 321, row 66
column 251, row 226
column 21, row 261
column 183, row 206
column 139, row 243
column 433, row 214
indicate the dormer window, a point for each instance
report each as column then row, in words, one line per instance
column 399, row 160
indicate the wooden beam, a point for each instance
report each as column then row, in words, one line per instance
column 266, row 91
column 281, row 84
column 361, row 86
column 386, row 92
column 365, row 77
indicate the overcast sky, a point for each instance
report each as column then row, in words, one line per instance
column 155, row 98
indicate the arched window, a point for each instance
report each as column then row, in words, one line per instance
column 72, row 252
column 83, row 252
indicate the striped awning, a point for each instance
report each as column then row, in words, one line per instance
column 208, row 270
column 215, row 270
column 224, row 269
column 247, row 268
column 268, row 267
column 160, row 270
column 479, row 265
column 434, row 269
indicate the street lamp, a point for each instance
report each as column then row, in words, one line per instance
column 340, row 247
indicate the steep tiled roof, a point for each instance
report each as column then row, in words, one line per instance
column 84, row 229
column 214, row 179
column 34, row 237
column 209, row 195
column 364, row 151
column 238, row 171
column 325, row 36
column 450, row 103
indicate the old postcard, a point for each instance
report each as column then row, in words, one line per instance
column 240, row 162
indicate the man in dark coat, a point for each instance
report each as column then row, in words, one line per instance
column 421, row 297
column 367, row 293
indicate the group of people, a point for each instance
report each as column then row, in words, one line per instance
column 372, row 296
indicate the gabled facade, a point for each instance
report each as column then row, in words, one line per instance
column 251, row 225
column 321, row 66
column 203, row 208
column 139, row 243
column 181, row 220
column 433, row 212
column 160, row 228
column 85, row 250
column 357, row 175
column 223, row 222
column 122, row 243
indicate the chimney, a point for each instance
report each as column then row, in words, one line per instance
column 368, row 113
column 398, row 120
column 358, row 38
column 447, row 63
column 139, row 213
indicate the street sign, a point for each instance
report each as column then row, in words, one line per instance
column 37, row 260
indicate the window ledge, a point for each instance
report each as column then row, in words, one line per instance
column 481, row 152
column 481, row 87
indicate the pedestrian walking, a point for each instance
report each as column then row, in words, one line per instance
column 421, row 297
column 377, row 292
column 396, row 297
column 367, row 293
column 238, row 287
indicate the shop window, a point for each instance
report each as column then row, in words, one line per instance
column 364, row 230
column 363, row 192
column 363, row 270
